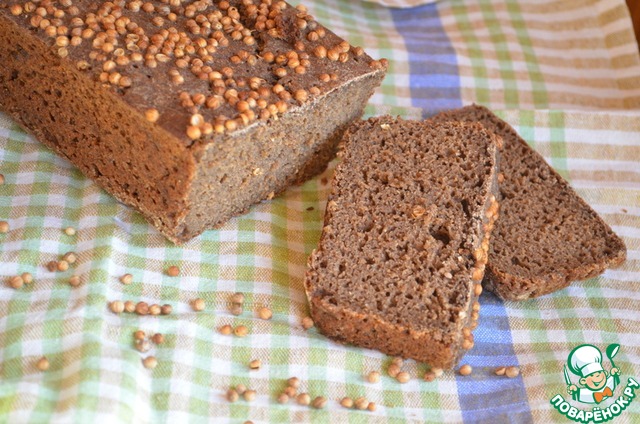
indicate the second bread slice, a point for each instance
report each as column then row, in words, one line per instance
column 405, row 240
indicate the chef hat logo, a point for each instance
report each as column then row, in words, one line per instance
column 585, row 360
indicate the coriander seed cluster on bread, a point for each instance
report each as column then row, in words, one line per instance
column 423, row 214
column 189, row 111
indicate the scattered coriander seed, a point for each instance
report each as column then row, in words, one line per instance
column 70, row 231
column 236, row 309
column 198, row 305
column 16, row 282
column 225, row 329
column 307, row 323
column 500, row 371
column 372, row 406
column 403, row 377
column 373, row 377
column 241, row 331
column 27, row 277
column 155, row 309
column 398, row 361
column 465, row 369
column 265, row 313
column 142, row 308
column 437, row 371
column 70, row 257
column 129, row 306
column 150, row 362
column 303, row 399
column 393, row 370
column 173, row 271
column 43, row 364
column 232, row 395
column 249, row 395
column 291, row 391
column 237, row 298
column 4, row 227
column 142, row 345
column 241, row 388
column 117, row 307
column 255, row 364
column 283, row 398
column 347, row 402
column 512, row 372
column 52, row 266
column 294, row 382
column 139, row 335
column 319, row 402
column 74, row 281
column 158, row 338
column 166, row 309
column 429, row 376
column 63, row 265
column 126, row 279
column 361, row 403
column 1, row 179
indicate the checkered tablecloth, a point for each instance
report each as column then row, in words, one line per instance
column 565, row 74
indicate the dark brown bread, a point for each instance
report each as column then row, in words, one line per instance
column 190, row 111
column 546, row 236
column 405, row 237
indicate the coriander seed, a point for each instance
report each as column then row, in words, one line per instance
column 43, row 364
column 255, row 364
column 139, row 335
column 173, row 271
column 236, row 309
column 237, row 298
column 129, row 306
column 232, row 395
column 465, row 369
column 265, row 313
column 225, row 329
column 74, row 281
column 27, row 277
column 294, row 382
column 16, row 282
column 373, row 377
column 403, row 377
column 512, row 372
column 303, row 399
column 142, row 308
column 70, row 231
column 283, row 398
column 198, row 305
column 117, row 307
column 347, row 402
column 158, row 338
column 241, row 331
column 371, row 407
column 4, row 227
column 249, row 395
column 126, row 279
column 150, row 362
column 319, row 402
column 361, row 403
column 166, row 309
column 307, row 323
column 63, row 265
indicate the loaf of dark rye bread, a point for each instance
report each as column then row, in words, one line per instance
column 405, row 237
column 189, row 111
column 546, row 236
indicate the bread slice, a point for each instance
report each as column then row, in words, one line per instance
column 403, row 248
column 188, row 111
column 547, row 236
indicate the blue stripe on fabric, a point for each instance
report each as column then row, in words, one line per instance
column 435, row 85
column 433, row 67
column 483, row 396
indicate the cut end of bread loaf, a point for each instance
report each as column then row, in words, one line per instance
column 547, row 236
column 405, row 237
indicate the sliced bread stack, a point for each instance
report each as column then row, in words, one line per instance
column 408, row 233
